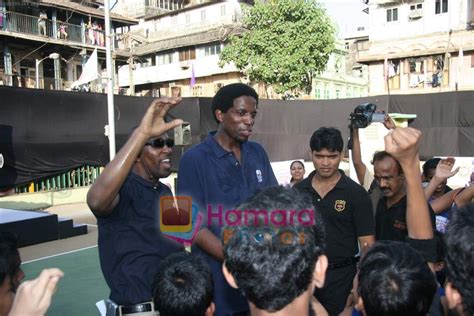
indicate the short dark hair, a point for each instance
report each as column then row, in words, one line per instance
column 430, row 164
column 460, row 254
column 183, row 286
column 440, row 246
column 295, row 162
column 265, row 258
column 329, row 138
column 395, row 280
column 224, row 98
column 8, row 255
column 381, row 155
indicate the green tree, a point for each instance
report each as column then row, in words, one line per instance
column 286, row 43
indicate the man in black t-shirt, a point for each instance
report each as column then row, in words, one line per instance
column 347, row 214
column 390, row 216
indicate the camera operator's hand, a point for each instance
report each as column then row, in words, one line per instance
column 388, row 122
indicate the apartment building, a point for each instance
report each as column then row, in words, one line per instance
column 45, row 43
column 418, row 46
column 343, row 76
column 177, row 52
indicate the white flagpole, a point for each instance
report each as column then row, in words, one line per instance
column 110, row 132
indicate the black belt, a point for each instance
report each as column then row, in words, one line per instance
column 137, row 308
column 342, row 264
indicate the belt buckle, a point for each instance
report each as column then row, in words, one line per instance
column 137, row 308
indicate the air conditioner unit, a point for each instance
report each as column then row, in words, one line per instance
column 185, row 64
column 182, row 134
column 415, row 14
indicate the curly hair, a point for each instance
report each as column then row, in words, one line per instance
column 460, row 254
column 273, row 261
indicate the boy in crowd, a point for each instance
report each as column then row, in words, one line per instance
column 277, row 259
column 183, row 287
column 460, row 261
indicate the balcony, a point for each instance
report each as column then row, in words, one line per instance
column 203, row 67
column 64, row 32
column 47, row 83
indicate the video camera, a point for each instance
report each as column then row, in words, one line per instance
column 364, row 115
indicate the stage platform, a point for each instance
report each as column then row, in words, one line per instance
column 34, row 227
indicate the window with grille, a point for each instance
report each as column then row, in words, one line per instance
column 392, row 15
column 187, row 53
column 441, row 6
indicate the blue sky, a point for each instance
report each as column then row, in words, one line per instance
column 347, row 14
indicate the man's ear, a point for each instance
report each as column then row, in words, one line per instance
column 319, row 273
column 211, row 309
column 230, row 279
column 219, row 115
column 453, row 296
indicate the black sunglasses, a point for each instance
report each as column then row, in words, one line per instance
column 160, row 143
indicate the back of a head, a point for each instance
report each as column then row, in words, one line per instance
column 272, row 256
column 430, row 164
column 395, row 280
column 9, row 255
column 329, row 138
column 224, row 98
column 460, row 255
column 183, row 286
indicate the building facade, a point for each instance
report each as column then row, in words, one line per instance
column 343, row 77
column 418, row 46
column 176, row 53
column 45, row 43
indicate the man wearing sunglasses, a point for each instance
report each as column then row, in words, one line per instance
column 125, row 200
column 219, row 174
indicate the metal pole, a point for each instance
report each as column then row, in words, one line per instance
column 110, row 82
column 57, row 73
column 37, row 74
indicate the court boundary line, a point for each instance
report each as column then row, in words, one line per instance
column 59, row 254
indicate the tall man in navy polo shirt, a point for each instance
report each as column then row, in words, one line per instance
column 346, row 210
column 222, row 172
column 126, row 199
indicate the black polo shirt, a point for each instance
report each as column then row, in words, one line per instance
column 347, row 214
column 391, row 223
column 131, row 245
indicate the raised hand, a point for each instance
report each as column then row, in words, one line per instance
column 402, row 144
column 153, row 123
column 34, row 297
column 388, row 122
column 444, row 168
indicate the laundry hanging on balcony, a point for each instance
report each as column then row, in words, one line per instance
column 89, row 72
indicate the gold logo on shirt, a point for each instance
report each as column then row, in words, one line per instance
column 340, row 205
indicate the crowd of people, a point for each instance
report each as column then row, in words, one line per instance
column 324, row 245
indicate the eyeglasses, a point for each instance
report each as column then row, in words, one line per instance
column 160, row 143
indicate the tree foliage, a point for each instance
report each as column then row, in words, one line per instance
column 286, row 43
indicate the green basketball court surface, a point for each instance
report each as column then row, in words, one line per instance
column 80, row 288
